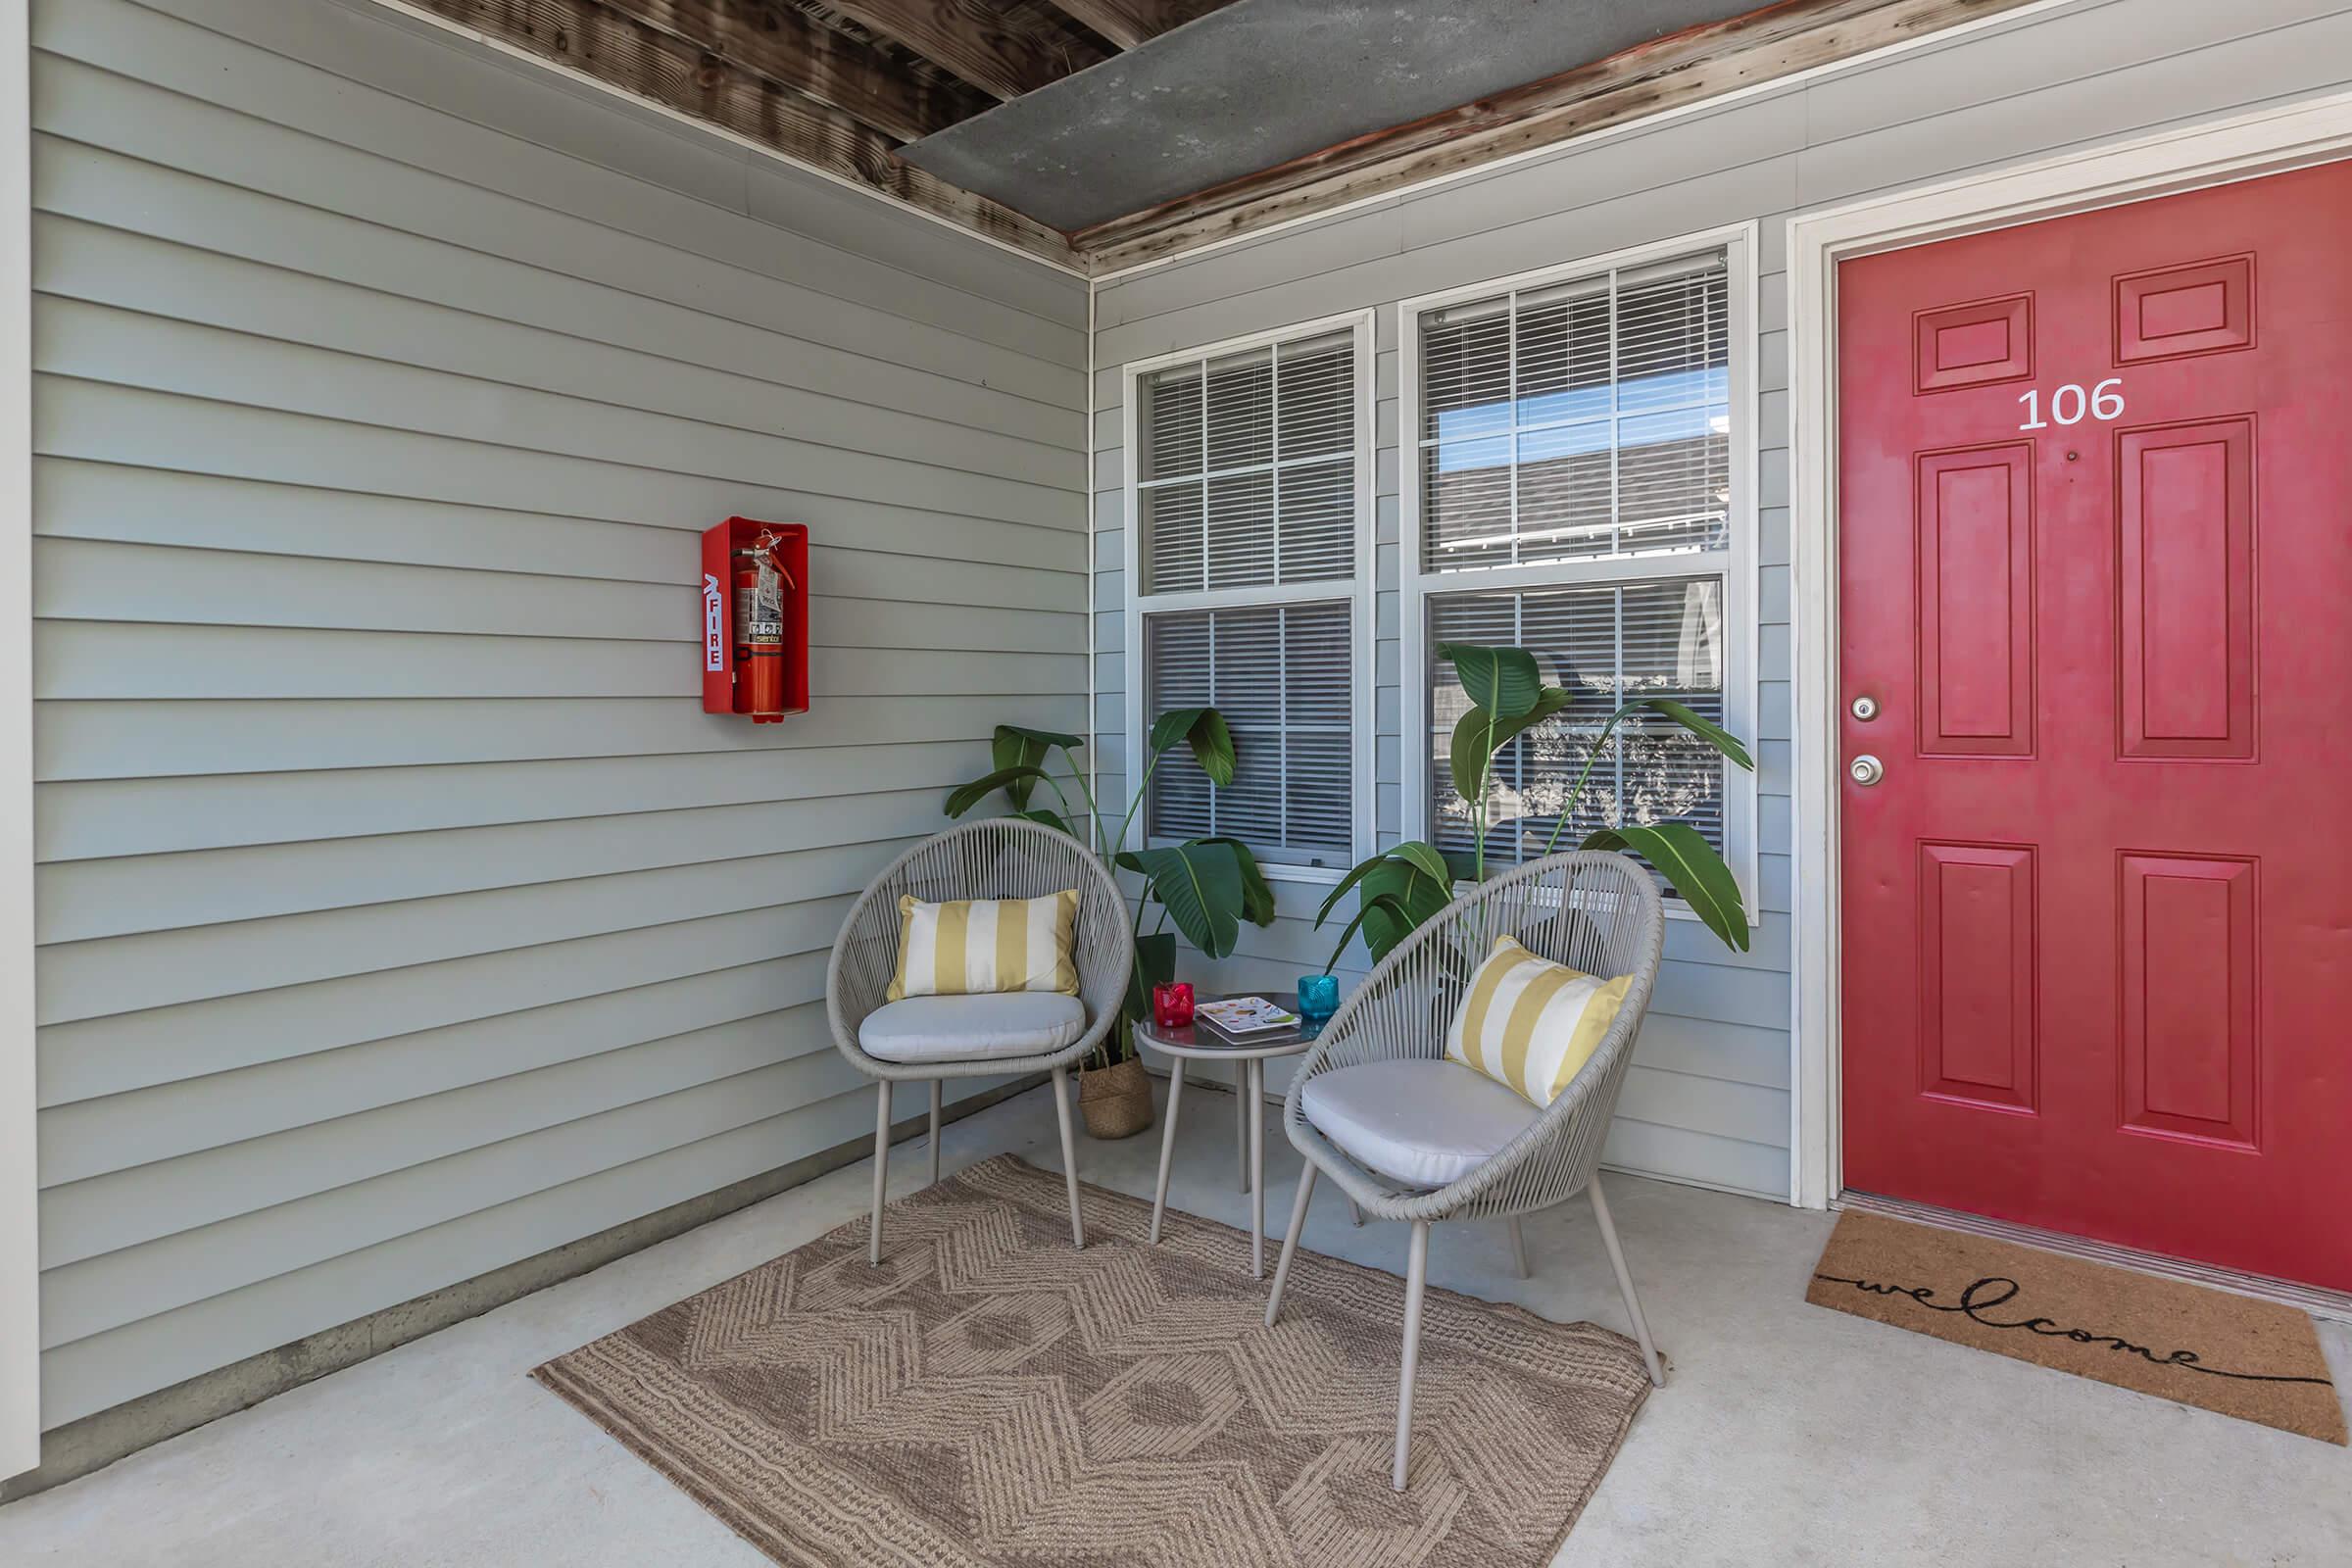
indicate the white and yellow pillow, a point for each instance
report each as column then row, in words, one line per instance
column 1529, row 1023
column 981, row 945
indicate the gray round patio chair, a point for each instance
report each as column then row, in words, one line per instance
column 1413, row 1137
column 932, row 1038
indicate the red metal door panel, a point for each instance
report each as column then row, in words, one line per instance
column 2095, row 525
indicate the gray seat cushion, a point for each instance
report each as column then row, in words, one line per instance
column 1422, row 1124
column 981, row 1028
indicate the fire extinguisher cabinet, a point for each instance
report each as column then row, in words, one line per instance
column 729, row 550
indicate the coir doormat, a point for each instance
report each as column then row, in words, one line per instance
column 990, row 1396
column 2256, row 1360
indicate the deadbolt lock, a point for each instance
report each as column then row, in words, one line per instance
column 1865, row 709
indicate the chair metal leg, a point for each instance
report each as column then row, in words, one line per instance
column 1290, row 1239
column 873, row 1246
column 935, row 1087
column 1240, row 1121
column 1167, row 1145
column 1069, row 1151
column 1355, row 1215
column 1416, row 1275
column 1257, row 1170
column 1625, row 1282
column 1518, row 1247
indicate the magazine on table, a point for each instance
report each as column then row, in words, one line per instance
column 1246, row 1017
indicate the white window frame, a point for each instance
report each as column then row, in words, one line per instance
column 1356, row 590
column 1417, row 585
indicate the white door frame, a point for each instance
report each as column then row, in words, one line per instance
column 20, row 1239
column 2265, row 141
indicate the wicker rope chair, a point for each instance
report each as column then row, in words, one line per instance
column 1003, row 857
column 1594, row 912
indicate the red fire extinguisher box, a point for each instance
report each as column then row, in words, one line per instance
column 731, row 555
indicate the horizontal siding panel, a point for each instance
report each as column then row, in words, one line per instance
column 161, row 739
column 116, row 1288
column 99, row 659
column 235, row 885
column 108, row 1368
column 100, row 819
column 298, row 127
column 113, row 423
column 86, row 1138
column 89, row 343
column 104, row 1215
column 403, row 914
column 122, row 1051
column 1678, row 1153
column 158, row 970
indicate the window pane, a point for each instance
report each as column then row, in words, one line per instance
column 1283, row 677
column 1603, row 402
column 1175, row 546
column 1607, row 644
column 1247, row 472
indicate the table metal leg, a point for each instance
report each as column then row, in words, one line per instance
column 1167, row 1145
column 1257, row 1170
column 1241, row 1123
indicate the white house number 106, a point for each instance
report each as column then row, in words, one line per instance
column 2069, row 403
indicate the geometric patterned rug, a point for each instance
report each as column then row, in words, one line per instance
column 991, row 1398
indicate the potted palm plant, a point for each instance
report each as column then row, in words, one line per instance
column 1400, row 888
column 1203, row 887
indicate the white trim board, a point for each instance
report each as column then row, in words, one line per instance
column 20, row 1235
column 2265, row 141
column 1359, row 591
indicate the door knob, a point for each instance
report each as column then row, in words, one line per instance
column 1866, row 769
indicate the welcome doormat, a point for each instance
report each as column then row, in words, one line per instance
column 990, row 1397
column 2256, row 1360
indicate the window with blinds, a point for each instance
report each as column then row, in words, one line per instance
column 1247, row 473
column 1606, row 644
column 1580, row 420
column 1283, row 676
column 1247, row 468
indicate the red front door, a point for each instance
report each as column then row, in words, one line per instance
column 2095, row 521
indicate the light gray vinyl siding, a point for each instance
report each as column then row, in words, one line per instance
column 401, row 912
column 1708, row 1098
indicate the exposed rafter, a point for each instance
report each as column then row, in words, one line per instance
column 1001, row 49
column 1128, row 22
column 1681, row 69
column 783, row 44
column 650, row 62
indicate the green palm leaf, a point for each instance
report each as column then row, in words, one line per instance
column 967, row 796
column 1690, row 865
column 1706, row 730
column 1503, row 680
column 1201, row 886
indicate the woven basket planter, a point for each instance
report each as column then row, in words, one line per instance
column 1115, row 1101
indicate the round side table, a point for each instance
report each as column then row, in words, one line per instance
column 1202, row 1042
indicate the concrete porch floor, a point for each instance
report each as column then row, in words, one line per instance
column 1785, row 1434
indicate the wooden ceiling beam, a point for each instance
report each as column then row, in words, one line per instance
column 1128, row 22
column 782, row 43
column 1684, row 67
column 977, row 41
column 642, row 61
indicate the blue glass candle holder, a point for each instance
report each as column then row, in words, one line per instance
column 1318, row 996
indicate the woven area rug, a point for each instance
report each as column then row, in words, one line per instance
column 2256, row 1360
column 990, row 1396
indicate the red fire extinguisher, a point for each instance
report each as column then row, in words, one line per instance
column 759, row 581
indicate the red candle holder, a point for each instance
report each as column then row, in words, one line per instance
column 1172, row 1004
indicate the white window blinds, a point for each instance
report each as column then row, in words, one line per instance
column 1282, row 675
column 1580, row 420
column 1607, row 644
column 1246, row 474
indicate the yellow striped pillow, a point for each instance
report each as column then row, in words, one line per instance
column 1529, row 1023
column 977, row 945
